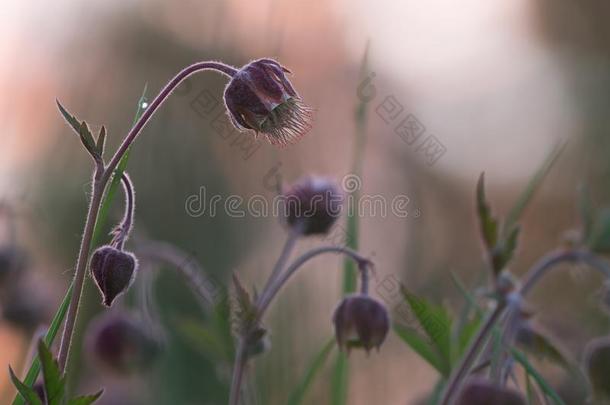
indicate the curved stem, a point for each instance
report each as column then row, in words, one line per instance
column 238, row 372
column 185, row 265
column 536, row 272
column 464, row 368
column 101, row 178
column 156, row 103
column 123, row 230
column 296, row 265
column 289, row 245
column 556, row 257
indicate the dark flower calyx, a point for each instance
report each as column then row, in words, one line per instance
column 479, row 391
column 260, row 97
column 597, row 366
column 313, row 205
column 360, row 321
column 121, row 343
column 113, row 271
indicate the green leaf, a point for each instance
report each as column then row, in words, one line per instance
column 542, row 383
column 298, row 394
column 599, row 240
column 526, row 196
column 86, row 399
column 34, row 369
column 434, row 320
column 489, row 224
column 340, row 380
column 101, row 141
column 424, row 348
column 350, row 272
column 70, row 119
column 27, row 393
column 53, row 381
column 115, row 182
column 244, row 309
column 537, row 343
column 505, row 249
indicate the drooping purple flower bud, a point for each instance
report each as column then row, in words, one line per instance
column 597, row 366
column 12, row 262
column 260, row 97
column 480, row 391
column 113, row 271
column 313, row 204
column 360, row 321
column 121, row 343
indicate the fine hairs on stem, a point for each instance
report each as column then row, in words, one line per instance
column 536, row 272
column 276, row 281
column 102, row 174
column 121, row 232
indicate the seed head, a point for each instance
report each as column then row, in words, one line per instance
column 313, row 204
column 480, row 391
column 113, row 271
column 360, row 321
column 260, row 97
column 597, row 365
column 121, row 343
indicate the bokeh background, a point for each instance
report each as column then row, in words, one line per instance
column 497, row 84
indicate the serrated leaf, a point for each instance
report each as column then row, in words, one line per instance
column 101, row 141
column 530, row 189
column 244, row 309
column 70, row 119
column 48, row 339
column 53, row 381
column 434, row 320
column 542, row 383
column 540, row 345
column 27, row 393
column 489, row 224
column 86, row 399
column 298, row 394
column 424, row 348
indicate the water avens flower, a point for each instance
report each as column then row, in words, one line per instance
column 313, row 204
column 260, row 97
column 360, row 321
column 113, row 271
column 597, row 366
column 121, row 343
column 479, row 391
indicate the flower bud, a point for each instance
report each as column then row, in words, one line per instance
column 313, row 204
column 597, row 366
column 12, row 262
column 260, row 97
column 479, row 391
column 360, row 321
column 122, row 344
column 113, row 271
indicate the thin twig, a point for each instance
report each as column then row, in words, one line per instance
column 238, row 372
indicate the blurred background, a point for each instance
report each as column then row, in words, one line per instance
column 484, row 86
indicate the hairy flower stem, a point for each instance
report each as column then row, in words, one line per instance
column 535, row 273
column 101, row 178
column 275, row 284
column 238, row 372
column 297, row 264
